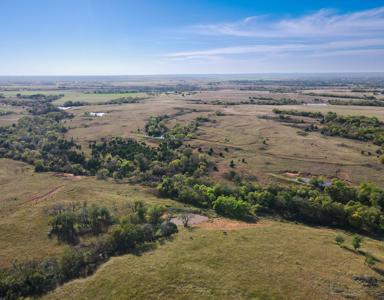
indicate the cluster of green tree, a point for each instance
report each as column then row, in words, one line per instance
column 142, row 225
column 255, row 101
column 39, row 140
column 113, row 91
column 172, row 138
column 5, row 112
column 40, row 97
column 282, row 101
column 354, row 127
column 340, row 205
column 71, row 103
column 357, row 102
column 17, row 102
column 155, row 126
column 125, row 158
column 342, row 96
column 272, row 101
column 204, row 119
column 42, row 108
column 68, row 224
column 149, row 89
column 38, row 104
column 119, row 158
column 123, row 100
column 292, row 112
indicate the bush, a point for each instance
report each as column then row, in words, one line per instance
column 356, row 242
column 168, row 228
column 155, row 213
column 68, row 224
column 63, row 226
column 102, row 174
column 124, row 237
column 339, row 239
column 232, row 207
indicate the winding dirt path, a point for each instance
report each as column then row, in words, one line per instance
column 40, row 197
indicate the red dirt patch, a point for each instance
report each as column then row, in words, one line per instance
column 291, row 174
column 194, row 219
column 227, row 224
column 66, row 176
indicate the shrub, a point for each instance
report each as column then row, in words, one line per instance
column 339, row 239
column 102, row 174
column 125, row 237
column 168, row 228
column 232, row 207
column 356, row 242
column 63, row 226
column 155, row 213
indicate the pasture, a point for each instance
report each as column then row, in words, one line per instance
column 221, row 258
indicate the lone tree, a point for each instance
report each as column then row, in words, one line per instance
column 356, row 242
column 185, row 218
column 232, row 164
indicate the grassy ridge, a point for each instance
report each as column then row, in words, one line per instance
column 23, row 217
column 270, row 261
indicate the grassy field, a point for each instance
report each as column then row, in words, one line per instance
column 94, row 98
column 272, row 260
column 269, row 146
column 78, row 96
column 17, row 113
column 266, row 145
column 23, row 217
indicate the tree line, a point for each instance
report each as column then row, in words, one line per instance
column 338, row 205
column 361, row 128
column 112, row 236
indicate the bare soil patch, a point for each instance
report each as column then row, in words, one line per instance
column 194, row 219
column 227, row 224
column 67, row 176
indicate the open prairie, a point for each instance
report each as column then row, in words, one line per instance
column 246, row 143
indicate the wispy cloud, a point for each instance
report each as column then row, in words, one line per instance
column 350, row 45
column 320, row 34
column 325, row 23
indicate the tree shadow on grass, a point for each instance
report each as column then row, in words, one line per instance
column 378, row 270
column 360, row 252
column 141, row 249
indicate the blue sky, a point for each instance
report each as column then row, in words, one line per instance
column 116, row 37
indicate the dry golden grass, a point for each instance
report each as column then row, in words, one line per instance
column 272, row 261
column 26, row 196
